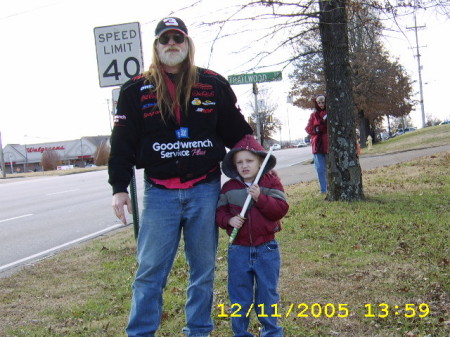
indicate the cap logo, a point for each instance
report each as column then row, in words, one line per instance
column 170, row 22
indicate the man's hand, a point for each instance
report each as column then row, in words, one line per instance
column 118, row 203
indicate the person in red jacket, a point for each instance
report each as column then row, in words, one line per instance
column 317, row 128
column 254, row 257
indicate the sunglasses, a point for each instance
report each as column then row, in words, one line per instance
column 177, row 38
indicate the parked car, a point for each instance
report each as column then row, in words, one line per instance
column 276, row 146
column 443, row 123
column 410, row 129
column 301, row 144
column 405, row 130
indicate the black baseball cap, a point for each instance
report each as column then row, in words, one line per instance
column 171, row 24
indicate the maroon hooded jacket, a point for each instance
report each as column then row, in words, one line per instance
column 263, row 218
column 317, row 128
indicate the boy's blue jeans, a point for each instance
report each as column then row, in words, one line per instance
column 320, row 162
column 253, row 274
column 166, row 213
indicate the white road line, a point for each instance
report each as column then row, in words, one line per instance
column 77, row 189
column 17, row 217
column 46, row 252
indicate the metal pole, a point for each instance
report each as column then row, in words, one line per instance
column 420, row 72
column 134, row 204
column 258, row 127
column 2, row 159
column 26, row 159
column 11, row 163
column 289, row 100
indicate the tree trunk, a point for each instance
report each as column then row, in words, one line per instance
column 364, row 128
column 344, row 171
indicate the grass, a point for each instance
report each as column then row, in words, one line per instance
column 392, row 248
column 422, row 138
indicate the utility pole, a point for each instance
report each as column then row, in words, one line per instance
column 2, row 161
column 289, row 100
column 419, row 68
column 258, row 126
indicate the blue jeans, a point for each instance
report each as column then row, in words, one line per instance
column 320, row 161
column 253, row 274
column 166, row 213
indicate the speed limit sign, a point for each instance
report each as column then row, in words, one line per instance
column 119, row 53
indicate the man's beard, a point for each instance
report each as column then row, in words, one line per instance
column 172, row 58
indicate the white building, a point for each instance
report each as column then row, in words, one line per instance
column 28, row 157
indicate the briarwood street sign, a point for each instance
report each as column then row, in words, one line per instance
column 255, row 78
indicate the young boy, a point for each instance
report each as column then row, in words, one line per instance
column 253, row 258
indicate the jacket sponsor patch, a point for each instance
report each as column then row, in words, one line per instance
column 147, row 86
column 117, row 118
column 204, row 111
column 203, row 86
column 148, row 105
column 204, row 93
column 182, row 149
column 196, row 101
column 148, row 96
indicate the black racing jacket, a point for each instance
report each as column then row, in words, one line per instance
column 165, row 149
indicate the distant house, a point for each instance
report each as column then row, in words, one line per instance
column 28, row 157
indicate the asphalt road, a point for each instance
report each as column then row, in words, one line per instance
column 41, row 216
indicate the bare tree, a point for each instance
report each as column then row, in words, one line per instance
column 102, row 154
column 381, row 86
column 268, row 123
column 292, row 22
column 50, row 160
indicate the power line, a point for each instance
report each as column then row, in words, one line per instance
column 26, row 11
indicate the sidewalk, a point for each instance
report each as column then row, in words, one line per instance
column 306, row 172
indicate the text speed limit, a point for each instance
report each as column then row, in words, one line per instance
column 119, row 53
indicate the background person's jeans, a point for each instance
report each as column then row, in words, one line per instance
column 253, row 274
column 320, row 162
column 165, row 214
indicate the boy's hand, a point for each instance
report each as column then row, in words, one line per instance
column 236, row 222
column 254, row 191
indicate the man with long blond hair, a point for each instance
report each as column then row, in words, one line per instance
column 174, row 121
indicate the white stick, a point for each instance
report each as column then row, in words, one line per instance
column 249, row 197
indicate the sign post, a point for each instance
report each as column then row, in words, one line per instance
column 119, row 58
column 2, row 161
column 253, row 79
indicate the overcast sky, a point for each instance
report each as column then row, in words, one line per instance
column 50, row 84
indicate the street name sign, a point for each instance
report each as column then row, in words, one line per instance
column 119, row 53
column 255, row 78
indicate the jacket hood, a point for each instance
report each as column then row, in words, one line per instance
column 248, row 143
column 317, row 106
